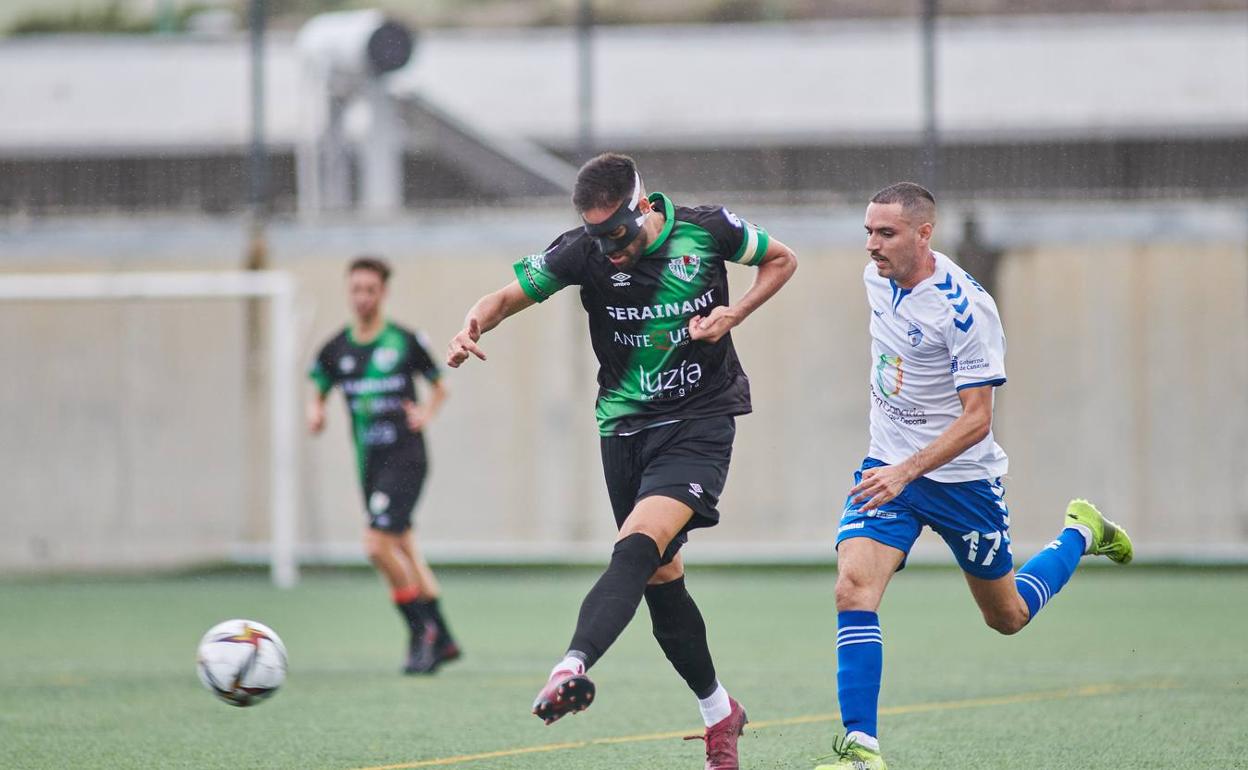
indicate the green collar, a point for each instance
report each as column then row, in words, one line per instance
column 354, row 340
column 669, row 216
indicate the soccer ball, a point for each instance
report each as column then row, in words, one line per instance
column 241, row 661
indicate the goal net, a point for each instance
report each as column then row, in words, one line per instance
column 149, row 420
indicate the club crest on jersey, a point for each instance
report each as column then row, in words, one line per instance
column 888, row 375
column 346, row 364
column 686, row 267
column 915, row 334
column 385, row 358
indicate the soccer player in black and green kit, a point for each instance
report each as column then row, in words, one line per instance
column 652, row 278
column 374, row 362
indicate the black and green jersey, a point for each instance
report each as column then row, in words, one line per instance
column 376, row 378
column 649, row 370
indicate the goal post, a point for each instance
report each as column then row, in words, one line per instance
column 278, row 289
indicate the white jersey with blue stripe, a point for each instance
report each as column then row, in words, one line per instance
column 927, row 343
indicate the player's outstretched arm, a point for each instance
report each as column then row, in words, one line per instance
column 776, row 268
column 489, row 312
column 879, row 485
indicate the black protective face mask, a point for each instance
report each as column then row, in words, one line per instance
column 627, row 215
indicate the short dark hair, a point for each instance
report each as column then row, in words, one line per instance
column 604, row 181
column 368, row 262
column 915, row 199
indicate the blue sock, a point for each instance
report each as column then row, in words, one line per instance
column 1045, row 573
column 860, row 661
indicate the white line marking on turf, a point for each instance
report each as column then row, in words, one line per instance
column 1087, row 691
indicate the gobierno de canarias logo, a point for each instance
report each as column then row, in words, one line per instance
column 888, row 375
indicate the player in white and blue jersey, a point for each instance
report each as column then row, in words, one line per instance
column 937, row 353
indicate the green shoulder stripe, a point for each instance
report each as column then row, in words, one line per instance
column 753, row 245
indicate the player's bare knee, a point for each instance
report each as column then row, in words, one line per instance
column 666, row 573
column 661, row 539
column 375, row 546
column 853, row 592
column 1006, row 623
column 1007, row 627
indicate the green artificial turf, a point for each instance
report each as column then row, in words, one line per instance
column 1128, row 668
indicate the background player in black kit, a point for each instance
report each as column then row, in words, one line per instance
column 654, row 285
column 374, row 361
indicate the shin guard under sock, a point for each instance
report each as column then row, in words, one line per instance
column 612, row 602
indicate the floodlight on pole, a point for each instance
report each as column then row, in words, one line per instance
column 257, row 156
column 345, row 58
column 931, row 133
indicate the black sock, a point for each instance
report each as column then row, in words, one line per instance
column 680, row 631
column 612, row 602
column 433, row 611
column 414, row 614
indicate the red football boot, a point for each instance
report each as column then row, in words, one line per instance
column 567, row 692
column 721, row 739
column 421, row 655
column 447, row 651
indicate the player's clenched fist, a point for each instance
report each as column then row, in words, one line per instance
column 464, row 343
column 711, row 327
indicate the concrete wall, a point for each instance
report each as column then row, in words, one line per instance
column 1005, row 77
column 122, row 439
column 1128, row 373
column 125, row 438
column 1130, row 385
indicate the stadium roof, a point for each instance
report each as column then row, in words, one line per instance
column 1000, row 78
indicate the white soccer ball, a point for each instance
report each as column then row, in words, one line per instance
column 241, row 661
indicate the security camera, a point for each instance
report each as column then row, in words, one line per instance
column 351, row 125
column 356, row 43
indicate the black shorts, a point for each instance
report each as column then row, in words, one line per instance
column 686, row 461
column 393, row 478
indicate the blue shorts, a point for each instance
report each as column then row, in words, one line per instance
column 970, row 515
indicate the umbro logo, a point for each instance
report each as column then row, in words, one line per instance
column 696, row 489
column 621, row 279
